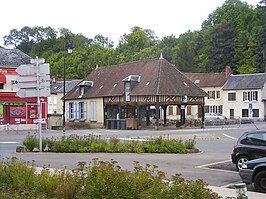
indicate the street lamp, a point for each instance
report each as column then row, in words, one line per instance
column 64, row 87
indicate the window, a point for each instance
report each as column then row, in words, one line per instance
column 71, row 110
column 82, row 90
column 1, row 86
column 255, row 96
column 55, row 100
column 231, row 96
column 214, row 109
column 250, row 96
column 82, row 110
column 50, row 100
column 170, row 110
column 255, row 112
column 244, row 112
column 218, row 94
column 93, row 111
column 211, row 94
column 256, row 139
column 127, row 91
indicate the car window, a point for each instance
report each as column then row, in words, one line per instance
column 256, row 139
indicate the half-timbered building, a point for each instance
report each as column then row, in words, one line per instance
column 121, row 96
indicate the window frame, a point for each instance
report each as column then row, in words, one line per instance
column 231, row 96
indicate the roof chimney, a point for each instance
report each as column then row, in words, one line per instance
column 228, row 71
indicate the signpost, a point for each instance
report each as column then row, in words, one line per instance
column 34, row 81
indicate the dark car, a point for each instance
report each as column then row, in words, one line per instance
column 254, row 171
column 250, row 145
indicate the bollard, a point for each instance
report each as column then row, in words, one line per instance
column 241, row 191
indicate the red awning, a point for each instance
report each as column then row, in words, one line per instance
column 2, row 79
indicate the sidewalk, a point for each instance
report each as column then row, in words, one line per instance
column 231, row 193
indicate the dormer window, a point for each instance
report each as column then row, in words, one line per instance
column 84, row 87
column 197, row 82
column 130, row 81
column 132, row 78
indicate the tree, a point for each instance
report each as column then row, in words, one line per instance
column 103, row 41
column 136, row 41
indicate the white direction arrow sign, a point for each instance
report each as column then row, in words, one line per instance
column 32, row 78
column 26, row 69
column 33, row 85
column 29, row 69
column 32, row 92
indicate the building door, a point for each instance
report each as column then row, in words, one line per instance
column 7, row 114
column 232, row 113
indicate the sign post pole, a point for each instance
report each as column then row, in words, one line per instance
column 34, row 81
column 39, row 104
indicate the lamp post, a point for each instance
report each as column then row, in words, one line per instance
column 64, row 87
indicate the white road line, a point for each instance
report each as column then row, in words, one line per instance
column 214, row 163
column 9, row 142
column 229, row 136
column 206, row 166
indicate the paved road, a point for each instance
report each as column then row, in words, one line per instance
column 216, row 145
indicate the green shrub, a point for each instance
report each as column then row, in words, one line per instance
column 96, row 180
column 31, row 142
column 95, row 144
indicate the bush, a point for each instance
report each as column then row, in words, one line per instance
column 31, row 142
column 77, row 144
column 96, row 180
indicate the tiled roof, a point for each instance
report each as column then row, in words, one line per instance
column 58, row 86
column 157, row 77
column 207, row 79
column 246, row 81
column 12, row 58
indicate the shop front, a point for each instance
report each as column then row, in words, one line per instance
column 14, row 110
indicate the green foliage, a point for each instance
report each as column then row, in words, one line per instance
column 95, row 144
column 32, row 142
column 233, row 34
column 96, row 180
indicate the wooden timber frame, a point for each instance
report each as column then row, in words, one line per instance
column 139, row 106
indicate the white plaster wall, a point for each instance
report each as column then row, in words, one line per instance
column 8, row 87
column 99, row 110
column 239, row 104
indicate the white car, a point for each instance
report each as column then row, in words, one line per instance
column 214, row 116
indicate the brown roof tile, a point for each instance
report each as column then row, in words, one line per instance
column 157, row 77
column 207, row 79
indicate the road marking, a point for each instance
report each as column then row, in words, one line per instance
column 229, row 136
column 9, row 142
column 206, row 166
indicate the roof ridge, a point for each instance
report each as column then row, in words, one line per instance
column 251, row 74
column 159, row 75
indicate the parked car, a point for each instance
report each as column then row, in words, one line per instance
column 214, row 116
column 254, row 171
column 250, row 145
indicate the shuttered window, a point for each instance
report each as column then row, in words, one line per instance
column 93, row 111
column 82, row 110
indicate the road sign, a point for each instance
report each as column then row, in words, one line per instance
column 32, row 92
column 26, row 69
column 33, row 84
column 37, row 60
column 29, row 69
column 40, row 120
column 32, row 78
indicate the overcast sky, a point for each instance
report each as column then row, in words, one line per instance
column 111, row 18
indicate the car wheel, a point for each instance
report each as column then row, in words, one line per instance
column 240, row 160
column 260, row 182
